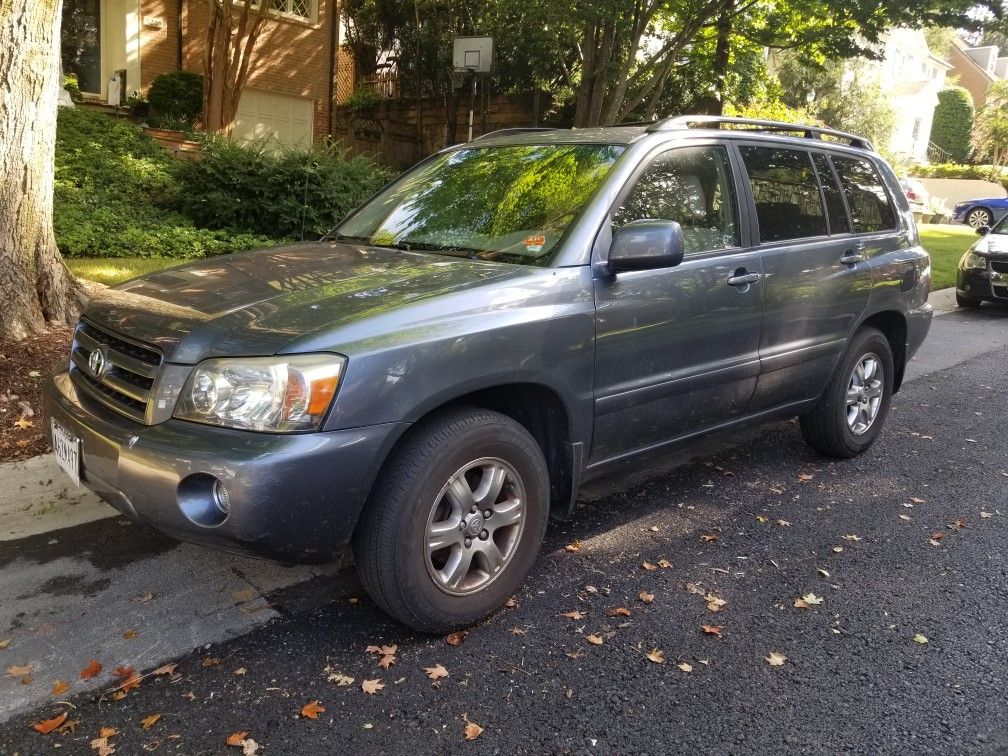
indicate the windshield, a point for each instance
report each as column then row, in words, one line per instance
column 511, row 203
column 1001, row 227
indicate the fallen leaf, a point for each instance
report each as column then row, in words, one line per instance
column 148, row 722
column 822, row 572
column 694, row 588
column 959, row 524
column 920, row 638
column 312, row 709
column 837, row 549
column 108, row 732
column 102, row 746
column 573, row 547
column 235, row 739
column 5, row 643
column 915, row 500
column 685, row 666
column 60, row 687
column 46, row 726
column 130, row 683
column 665, row 564
column 241, row 671
column 453, row 639
column 712, row 629
column 784, row 523
column 809, row 599
column 511, row 603
column 129, row 635
column 26, row 680
column 762, row 518
column 775, row 659
column 123, row 672
column 646, row 597
column 575, row 615
column 577, row 653
column 984, row 515
column 210, row 661
column 167, row 669
column 386, row 661
column 517, row 631
column 472, row 730
column 649, row 567
column 851, row 537
column 906, row 518
column 23, row 423
column 372, row 686
column 595, row 640
column 340, row 679
column 436, row 672
column 143, row 598
column 249, row 747
column 714, row 603
column 619, row 611
column 656, row 655
column 19, row 670
column 709, row 537
column 805, row 477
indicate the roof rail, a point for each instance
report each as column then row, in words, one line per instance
column 512, row 130
column 713, row 121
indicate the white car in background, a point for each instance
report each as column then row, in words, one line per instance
column 916, row 194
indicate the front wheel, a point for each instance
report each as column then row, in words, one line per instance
column 978, row 217
column 850, row 415
column 456, row 520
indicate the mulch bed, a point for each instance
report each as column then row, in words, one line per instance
column 24, row 366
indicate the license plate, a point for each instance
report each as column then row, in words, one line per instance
column 66, row 447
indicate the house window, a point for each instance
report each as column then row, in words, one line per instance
column 299, row 8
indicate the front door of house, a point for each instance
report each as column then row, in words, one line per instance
column 81, row 40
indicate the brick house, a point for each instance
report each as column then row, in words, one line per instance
column 294, row 81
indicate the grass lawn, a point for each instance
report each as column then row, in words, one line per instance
column 113, row 270
column 946, row 245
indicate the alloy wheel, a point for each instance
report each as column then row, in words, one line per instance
column 864, row 393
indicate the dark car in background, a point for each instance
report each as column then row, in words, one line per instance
column 511, row 317
column 978, row 213
column 983, row 270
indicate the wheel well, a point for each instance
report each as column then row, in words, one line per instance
column 543, row 414
column 893, row 326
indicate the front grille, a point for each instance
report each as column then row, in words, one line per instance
column 126, row 378
column 999, row 266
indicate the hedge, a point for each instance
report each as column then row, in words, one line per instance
column 959, row 171
column 953, row 123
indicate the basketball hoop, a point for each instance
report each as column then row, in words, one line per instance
column 472, row 57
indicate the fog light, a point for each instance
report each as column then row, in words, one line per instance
column 222, row 498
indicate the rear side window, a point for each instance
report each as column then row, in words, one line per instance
column 692, row 186
column 839, row 223
column 867, row 199
column 784, row 186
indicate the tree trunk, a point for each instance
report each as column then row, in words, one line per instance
column 35, row 287
column 714, row 103
column 231, row 37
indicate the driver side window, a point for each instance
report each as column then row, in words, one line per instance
column 692, row 186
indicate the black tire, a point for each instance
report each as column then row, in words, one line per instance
column 389, row 544
column 978, row 217
column 825, row 428
column 966, row 302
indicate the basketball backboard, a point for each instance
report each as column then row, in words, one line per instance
column 473, row 54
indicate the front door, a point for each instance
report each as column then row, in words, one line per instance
column 677, row 348
column 80, row 43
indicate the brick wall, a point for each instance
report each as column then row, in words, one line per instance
column 967, row 74
column 292, row 56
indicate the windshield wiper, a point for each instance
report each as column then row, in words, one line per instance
column 410, row 245
column 337, row 236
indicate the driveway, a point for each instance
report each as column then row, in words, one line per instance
column 897, row 561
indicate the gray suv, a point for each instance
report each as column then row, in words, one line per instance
column 433, row 379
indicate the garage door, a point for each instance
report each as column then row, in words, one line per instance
column 264, row 115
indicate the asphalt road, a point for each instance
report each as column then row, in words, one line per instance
column 758, row 525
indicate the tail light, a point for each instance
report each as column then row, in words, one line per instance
column 913, row 196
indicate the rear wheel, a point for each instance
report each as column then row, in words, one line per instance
column 455, row 522
column 978, row 217
column 850, row 415
column 966, row 302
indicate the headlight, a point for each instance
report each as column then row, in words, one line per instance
column 281, row 394
column 972, row 261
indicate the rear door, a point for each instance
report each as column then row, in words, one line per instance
column 817, row 280
column 677, row 348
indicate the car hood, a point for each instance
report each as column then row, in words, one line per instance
column 992, row 245
column 254, row 303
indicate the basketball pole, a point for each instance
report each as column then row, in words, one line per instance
column 472, row 101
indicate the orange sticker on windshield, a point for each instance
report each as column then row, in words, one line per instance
column 535, row 243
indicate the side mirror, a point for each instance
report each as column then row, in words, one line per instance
column 646, row 245
column 983, row 230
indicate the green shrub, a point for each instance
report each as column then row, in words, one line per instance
column 953, row 123
column 70, row 85
column 287, row 192
column 176, row 99
column 362, row 100
column 116, row 195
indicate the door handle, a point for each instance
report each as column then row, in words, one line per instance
column 744, row 279
column 853, row 256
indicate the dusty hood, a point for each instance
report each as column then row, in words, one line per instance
column 254, row 303
column 992, row 245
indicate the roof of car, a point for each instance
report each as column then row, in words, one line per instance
column 685, row 126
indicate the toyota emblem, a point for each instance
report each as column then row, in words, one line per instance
column 96, row 362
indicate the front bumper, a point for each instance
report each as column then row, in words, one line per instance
column 979, row 283
column 294, row 497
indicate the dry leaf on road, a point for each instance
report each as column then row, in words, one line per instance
column 312, row 709
column 619, row 611
column 48, row 725
column 646, row 597
column 575, row 615
column 148, row 722
column 712, row 629
column 685, row 666
column 656, row 655
column 595, row 640
column 436, row 672
column 60, row 687
column 920, row 638
column 472, row 730
column 453, row 639
column 235, row 739
column 372, row 686
column 775, row 659
column 573, row 547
